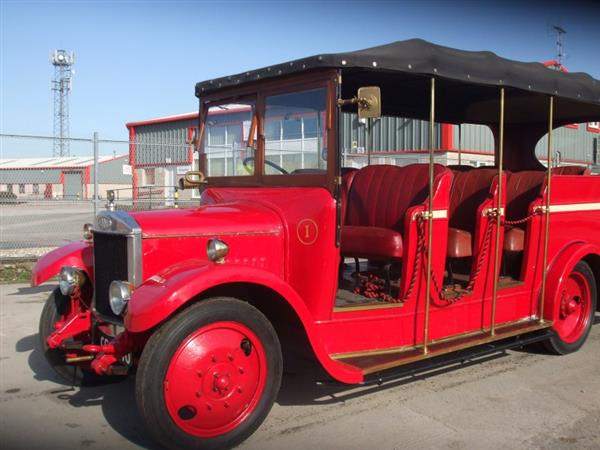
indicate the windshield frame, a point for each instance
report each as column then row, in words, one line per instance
column 258, row 92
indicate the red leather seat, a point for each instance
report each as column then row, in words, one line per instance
column 522, row 188
column 378, row 199
column 469, row 191
column 571, row 170
column 371, row 242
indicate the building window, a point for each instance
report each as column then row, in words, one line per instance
column 150, row 176
column 9, row 188
column 36, row 188
column 21, row 188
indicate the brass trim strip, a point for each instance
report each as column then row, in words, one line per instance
column 446, row 339
column 350, row 308
column 215, row 234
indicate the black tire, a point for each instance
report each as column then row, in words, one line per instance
column 72, row 374
column 557, row 345
column 157, row 356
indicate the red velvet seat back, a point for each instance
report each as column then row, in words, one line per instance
column 570, row 170
column 469, row 191
column 522, row 188
column 380, row 195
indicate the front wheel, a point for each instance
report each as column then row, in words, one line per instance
column 575, row 313
column 209, row 376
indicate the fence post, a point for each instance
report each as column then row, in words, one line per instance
column 95, row 173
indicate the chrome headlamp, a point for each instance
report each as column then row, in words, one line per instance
column 119, row 294
column 216, row 250
column 69, row 278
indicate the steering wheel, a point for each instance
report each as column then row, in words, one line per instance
column 248, row 167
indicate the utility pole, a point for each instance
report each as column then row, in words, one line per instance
column 61, row 85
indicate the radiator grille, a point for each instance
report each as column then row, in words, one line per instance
column 110, row 263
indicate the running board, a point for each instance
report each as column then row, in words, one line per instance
column 371, row 362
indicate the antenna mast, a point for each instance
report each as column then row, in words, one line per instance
column 61, row 85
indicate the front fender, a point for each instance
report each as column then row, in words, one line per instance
column 560, row 268
column 163, row 294
column 76, row 254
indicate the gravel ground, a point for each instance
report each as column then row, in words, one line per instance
column 518, row 400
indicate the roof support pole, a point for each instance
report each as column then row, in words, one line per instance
column 429, row 216
column 498, row 214
column 547, row 208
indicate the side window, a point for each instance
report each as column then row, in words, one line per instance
column 230, row 140
column 295, row 133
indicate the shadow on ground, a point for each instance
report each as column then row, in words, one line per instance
column 27, row 290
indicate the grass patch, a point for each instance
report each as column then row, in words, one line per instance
column 15, row 273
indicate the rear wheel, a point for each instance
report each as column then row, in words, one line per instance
column 58, row 308
column 209, row 376
column 575, row 313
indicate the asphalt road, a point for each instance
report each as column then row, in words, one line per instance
column 522, row 399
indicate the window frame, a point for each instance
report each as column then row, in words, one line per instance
column 259, row 91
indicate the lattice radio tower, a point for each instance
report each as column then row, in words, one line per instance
column 61, row 85
column 560, row 32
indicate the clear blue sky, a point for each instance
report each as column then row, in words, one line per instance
column 137, row 60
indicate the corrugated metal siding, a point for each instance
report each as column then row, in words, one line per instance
column 387, row 134
column 111, row 172
column 29, row 176
column 575, row 145
column 473, row 137
column 163, row 143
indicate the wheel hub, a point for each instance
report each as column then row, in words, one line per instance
column 213, row 383
column 574, row 308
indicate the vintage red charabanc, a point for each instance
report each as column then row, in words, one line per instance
column 366, row 269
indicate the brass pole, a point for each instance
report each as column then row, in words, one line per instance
column 547, row 208
column 498, row 214
column 429, row 214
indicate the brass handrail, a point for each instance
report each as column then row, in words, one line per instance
column 429, row 215
column 498, row 216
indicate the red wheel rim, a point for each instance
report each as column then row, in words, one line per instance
column 574, row 308
column 215, row 379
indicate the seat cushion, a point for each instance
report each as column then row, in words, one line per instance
column 514, row 240
column 371, row 242
column 459, row 243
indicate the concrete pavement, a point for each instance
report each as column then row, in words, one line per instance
column 515, row 401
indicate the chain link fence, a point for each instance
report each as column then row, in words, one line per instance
column 46, row 199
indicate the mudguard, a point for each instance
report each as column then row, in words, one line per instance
column 76, row 254
column 560, row 268
column 163, row 294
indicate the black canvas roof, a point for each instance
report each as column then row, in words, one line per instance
column 420, row 57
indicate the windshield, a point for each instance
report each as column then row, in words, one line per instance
column 295, row 138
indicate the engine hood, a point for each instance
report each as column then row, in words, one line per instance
column 212, row 220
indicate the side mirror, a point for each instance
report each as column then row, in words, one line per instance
column 368, row 102
column 192, row 179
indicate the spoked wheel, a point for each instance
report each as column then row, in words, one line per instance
column 208, row 377
column 574, row 317
column 58, row 308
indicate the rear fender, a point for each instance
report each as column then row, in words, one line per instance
column 163, row 294
column 76, row 254
column 560, row 268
